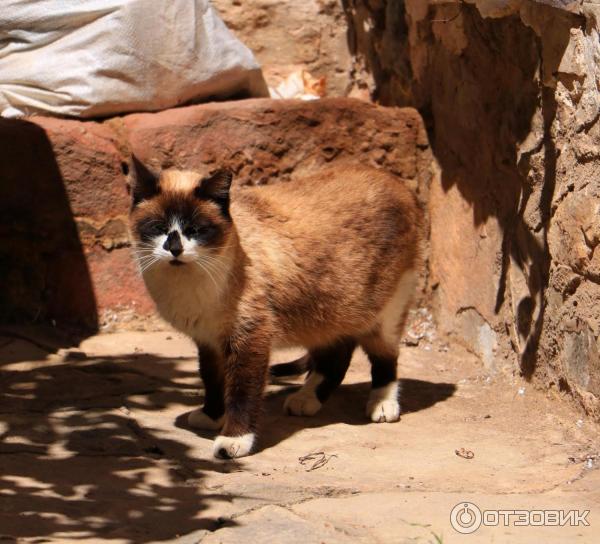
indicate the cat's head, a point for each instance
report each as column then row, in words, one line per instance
column 179, row 217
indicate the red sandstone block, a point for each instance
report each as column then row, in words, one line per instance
column 64, row 202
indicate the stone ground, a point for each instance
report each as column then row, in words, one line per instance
column 95, row 448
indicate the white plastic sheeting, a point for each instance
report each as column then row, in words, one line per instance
column 102, row 57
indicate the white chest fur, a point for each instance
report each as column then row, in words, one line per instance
column 188, row 299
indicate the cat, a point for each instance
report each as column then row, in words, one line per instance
column 300, row 84
column 328, row 262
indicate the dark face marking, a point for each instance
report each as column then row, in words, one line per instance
column 149, row 227
column 203, row 232
column 194, row 224
column 177, row 217
column 186, row 212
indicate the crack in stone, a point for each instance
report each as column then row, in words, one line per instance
column 316, row 493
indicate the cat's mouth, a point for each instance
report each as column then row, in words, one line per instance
column 176, row 262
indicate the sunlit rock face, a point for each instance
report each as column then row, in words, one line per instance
column 509, row 92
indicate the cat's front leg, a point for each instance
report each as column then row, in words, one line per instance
column 211, row 415
column 246, row 370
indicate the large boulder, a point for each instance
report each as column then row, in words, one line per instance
column 64, row 244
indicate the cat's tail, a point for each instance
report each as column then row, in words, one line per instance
column 293, row 368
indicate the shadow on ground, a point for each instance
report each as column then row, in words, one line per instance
column 347, row 405
column 78, row 465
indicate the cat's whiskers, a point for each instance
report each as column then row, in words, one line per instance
column 146, row 258
column 148, row 249
column 211, row 270
column 217, row 265
column 146, row 261
column 205, row 269
column 147, row 266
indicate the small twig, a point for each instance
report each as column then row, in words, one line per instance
column 320, row 459
column 465, row 454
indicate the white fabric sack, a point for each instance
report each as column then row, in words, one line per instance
column 90, row 58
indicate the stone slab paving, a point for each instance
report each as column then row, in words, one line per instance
column 95, row 448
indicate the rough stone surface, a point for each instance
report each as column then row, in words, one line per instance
column 278, row 140
column 287, row 35
column 64, row 252
column 95, row 448
column 64, row 222
column 509, row 92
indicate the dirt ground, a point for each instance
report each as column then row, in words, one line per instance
column 95, row 448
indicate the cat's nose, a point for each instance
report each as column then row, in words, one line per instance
column 173, row 244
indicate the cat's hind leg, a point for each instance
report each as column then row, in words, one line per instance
column 381, row 347
column 384, row 398
column 328, row 367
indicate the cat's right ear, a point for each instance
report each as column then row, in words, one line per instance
column 143, row 181
column 216, row 187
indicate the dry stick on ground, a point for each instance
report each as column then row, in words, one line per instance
column 465, row 454
column 320, row 459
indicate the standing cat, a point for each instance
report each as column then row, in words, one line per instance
column 328, row 262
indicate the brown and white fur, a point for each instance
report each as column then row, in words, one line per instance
column 328, row 262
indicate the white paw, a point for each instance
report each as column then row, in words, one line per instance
column 230, row 447
column 384, row 411
column 199, row 420
column 305, row 402
column 383, row 405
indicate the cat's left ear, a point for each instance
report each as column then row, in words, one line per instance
column 216, row 187
column 143, row 180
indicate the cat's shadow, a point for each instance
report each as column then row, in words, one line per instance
column 347, row 405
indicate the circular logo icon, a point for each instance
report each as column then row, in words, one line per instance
column 465, row 518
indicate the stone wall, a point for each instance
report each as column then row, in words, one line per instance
column 509, row 92
column 287, row 35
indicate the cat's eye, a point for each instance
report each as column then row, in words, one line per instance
column 157, row 229
column 150, row 228
column 202, row 233
column 192, row 232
